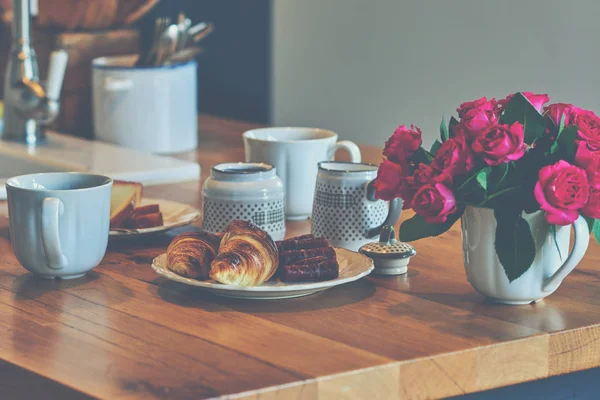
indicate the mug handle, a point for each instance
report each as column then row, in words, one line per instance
column 393, row 212
column 350, row 147
column 52, row 209
column 580, row 245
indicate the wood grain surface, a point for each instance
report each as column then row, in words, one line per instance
column 124, row 332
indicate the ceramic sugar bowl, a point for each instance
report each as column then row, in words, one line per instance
column 390, row 256
column 246, row 191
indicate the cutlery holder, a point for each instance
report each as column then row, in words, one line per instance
column 152, row 109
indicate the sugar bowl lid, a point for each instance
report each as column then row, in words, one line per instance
column 388, row 247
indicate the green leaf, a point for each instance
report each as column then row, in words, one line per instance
column 555, row 146
column 497, row 194
column 515, row 246
column 553, row 231
column 435, row 147
column 590, row 221
column 422, row 156
column 502, row 171
column 596, row 230
column 482, row 177
column 519, row 109
column 444, row 135
column 453, row 122
column 472, row 176
column 417, row 228
column 561, row 126
column 566, row 142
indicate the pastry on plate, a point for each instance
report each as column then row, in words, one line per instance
column 247, row 256
column 191, row 254
column 310, row 269
column 307, row 258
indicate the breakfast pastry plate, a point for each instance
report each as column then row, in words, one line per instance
column 353, row 266
column 174, row 215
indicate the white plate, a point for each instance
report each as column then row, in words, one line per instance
column 353, row 266
column 174, row 215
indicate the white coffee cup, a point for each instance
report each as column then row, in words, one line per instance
column 59, row 222
column 295, row 153
column 150, row 109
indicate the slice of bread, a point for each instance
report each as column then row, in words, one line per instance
column 125, row 196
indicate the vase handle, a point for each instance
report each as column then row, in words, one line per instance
column 581, row 242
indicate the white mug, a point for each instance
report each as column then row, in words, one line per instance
column 345, row 210
column 59, row 222
column 295, row 153
column 151, row 109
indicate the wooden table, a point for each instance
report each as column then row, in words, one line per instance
column 124, row 332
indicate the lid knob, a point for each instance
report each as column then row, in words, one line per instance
column 388, row 235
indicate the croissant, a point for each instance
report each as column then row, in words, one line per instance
column 191, row 253
column 247, row 256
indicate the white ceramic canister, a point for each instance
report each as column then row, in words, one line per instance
column 152, row 109
column 245, row 191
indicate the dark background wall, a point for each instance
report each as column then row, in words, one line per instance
column 234, row 71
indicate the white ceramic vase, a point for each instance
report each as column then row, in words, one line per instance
column 486, row 274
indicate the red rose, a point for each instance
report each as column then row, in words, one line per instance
column 434, row 202
column 537, row 100
column 556, row 111
column 590, row 161
column 454, row 157
column 589, row 128
column 391, row 178
column 592, row 208
column 500, row 144
column 481, row 104
column 403, row 143
column 476, row 121
column 477, row 115
column 583, row 154
column 562, row 190
column 592, row 169
column 423, row 175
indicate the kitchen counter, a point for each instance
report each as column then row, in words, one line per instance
column 124, row 332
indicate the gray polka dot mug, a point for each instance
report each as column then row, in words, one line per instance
column 345, row 210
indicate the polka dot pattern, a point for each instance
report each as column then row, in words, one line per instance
column 343, row 213
column 397, row 249
column 269, row 216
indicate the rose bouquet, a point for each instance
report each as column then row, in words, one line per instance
column 514, row 156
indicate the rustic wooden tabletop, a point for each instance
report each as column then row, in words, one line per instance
column 124, row 332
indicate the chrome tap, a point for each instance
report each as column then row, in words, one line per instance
column 28, row 105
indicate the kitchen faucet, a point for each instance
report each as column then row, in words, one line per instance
column 28, row 105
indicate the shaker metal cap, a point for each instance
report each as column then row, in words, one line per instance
column 388, row 247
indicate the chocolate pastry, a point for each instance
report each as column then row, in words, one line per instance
column 302, row 243
column 310, row 269
column 293, row 256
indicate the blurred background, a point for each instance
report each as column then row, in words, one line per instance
column 357, row 67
